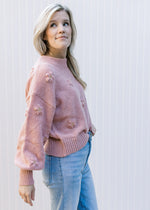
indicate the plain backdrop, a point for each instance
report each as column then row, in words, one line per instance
column 113, row 52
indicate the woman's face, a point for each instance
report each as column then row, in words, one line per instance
column 58, row 33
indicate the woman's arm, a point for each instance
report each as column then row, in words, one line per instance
column 40, row 99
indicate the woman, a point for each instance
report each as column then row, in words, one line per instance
column 57, row 132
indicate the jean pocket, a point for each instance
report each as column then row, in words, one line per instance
column 47, row 171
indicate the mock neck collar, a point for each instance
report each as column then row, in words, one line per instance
column 61, row 61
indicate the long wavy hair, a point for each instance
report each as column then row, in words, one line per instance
column 42, row 46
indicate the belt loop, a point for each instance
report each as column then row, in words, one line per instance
column 90, row 135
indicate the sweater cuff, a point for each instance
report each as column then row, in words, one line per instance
column 26, row 177
column 92, row 129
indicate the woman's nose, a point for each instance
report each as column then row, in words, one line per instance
column 61, row 29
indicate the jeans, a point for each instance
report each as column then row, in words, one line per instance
column 70, row 181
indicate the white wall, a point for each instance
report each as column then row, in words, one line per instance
column 112, row 48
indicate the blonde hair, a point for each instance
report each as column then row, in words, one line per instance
column 42, row 46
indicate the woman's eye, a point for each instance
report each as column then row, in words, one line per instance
column 66, row 23
column 53, row 24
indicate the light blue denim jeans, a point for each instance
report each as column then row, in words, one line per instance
column 70, row 181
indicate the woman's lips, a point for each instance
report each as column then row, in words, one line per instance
column 62, row 37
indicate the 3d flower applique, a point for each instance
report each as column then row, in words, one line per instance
column 38, row 110
column 33, row 163
column 49, row 77
column 83, row 103
column 70, row 124
column 69, row 82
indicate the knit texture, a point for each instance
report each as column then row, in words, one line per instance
column 57, row 118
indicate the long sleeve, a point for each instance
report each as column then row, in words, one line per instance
column 41, row 104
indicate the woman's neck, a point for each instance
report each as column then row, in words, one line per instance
column 57, row 54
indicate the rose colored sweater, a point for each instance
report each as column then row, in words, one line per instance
column 57, row 119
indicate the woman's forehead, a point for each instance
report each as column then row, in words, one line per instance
column 62, row 14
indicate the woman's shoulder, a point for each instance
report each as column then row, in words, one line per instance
column 41, row 68
column 42, row 65
column 41, row 76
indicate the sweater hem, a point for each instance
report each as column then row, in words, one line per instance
column 66, row 146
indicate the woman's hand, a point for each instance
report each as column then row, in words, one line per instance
column 27, row 192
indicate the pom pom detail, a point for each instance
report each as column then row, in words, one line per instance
column 38, row 110
column 49, row 77
column 83, row 103
column 69, row 82
column 70, row 124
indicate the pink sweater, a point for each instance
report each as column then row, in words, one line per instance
column 57, row 119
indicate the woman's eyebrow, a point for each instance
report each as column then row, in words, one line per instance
column 56, row 20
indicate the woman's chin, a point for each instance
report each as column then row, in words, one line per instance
column 63, row 47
